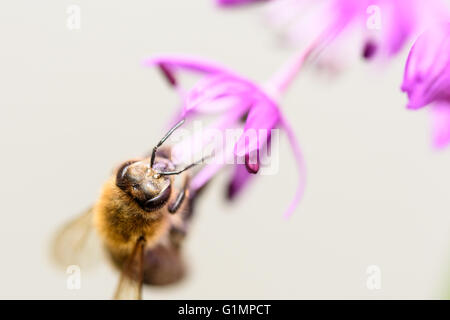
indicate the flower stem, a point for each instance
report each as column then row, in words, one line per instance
column 285, row 76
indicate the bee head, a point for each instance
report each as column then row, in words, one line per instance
column 144, row 184
column 148, row 181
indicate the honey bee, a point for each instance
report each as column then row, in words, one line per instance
column 141, row 218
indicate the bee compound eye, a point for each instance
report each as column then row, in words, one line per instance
column 159, row 200
column 121, row 178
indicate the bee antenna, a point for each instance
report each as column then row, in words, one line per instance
column 166, row 136
column 171, row 173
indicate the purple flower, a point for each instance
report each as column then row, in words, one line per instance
column 427, row 79
column 228, row 98
column 384, row 26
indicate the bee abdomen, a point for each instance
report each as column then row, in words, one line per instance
column 163, row 265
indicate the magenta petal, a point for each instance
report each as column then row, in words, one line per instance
column 186, row 62
column 261, row 119
column 440, row 113
column 186, row 150
column 197, row 65
column 427, row 71
column 239, row 180
column 252, row 162
column 399, row 24
column 168, row 74
column 217, row 94
column 243, row 173
column 204, row 175
column 369, row 50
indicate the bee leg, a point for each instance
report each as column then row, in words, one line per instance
column 173, row 207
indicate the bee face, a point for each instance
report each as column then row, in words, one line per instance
column 143, row 184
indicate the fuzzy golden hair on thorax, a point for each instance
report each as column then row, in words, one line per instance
column 121, row 215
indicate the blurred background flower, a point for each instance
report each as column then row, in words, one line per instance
column 427, row 80
column 376, row 28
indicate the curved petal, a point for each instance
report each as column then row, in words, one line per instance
column 427, row 71
column 186, row 150
column 168, row 74
column 262, row 117
column 440, row 115
column 185, row 62
column 398, row 20
column 212, row 168
column 204, row 175
column 241, row 177
column 201, row 66
column 242, row 173
column 216, row 94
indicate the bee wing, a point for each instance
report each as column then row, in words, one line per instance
column 130, row 283
column 76, row 242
